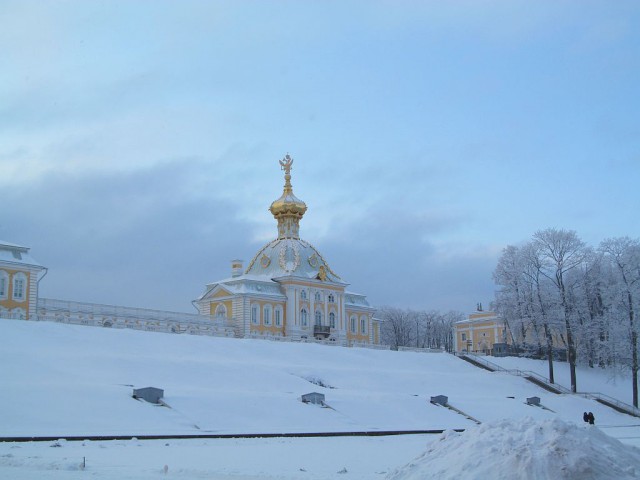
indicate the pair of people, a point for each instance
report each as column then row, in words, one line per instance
column 589, row 418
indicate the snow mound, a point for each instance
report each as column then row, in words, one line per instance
column 524, row 449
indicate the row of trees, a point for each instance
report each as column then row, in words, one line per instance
column 420, row 329
column 555, row 290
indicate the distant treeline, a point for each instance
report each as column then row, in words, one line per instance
column 420, row 329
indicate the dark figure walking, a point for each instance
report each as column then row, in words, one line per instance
column 585, row 417
column 592, row 419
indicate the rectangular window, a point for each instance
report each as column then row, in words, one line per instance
column 3, row 287
column 353, row 325
column 254, row 315
column 464, row 337
column 363, row 325
column 18, row 289
column 267, row 316
column 278, row 319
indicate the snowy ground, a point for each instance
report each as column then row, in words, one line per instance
column 615, row 384
column 72, row 380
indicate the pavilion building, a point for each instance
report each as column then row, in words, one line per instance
column 288, row 289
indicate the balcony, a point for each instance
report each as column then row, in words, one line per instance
column 321, row 331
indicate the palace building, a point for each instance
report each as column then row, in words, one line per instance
column 19, row 278
column 288, row 289
column 482, row 332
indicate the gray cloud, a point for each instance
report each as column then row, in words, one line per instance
column 132, row 238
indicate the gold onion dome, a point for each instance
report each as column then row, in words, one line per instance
column 288, row 209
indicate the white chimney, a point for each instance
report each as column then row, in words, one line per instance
column 236, row 268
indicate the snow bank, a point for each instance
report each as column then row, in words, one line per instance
column 525, row 449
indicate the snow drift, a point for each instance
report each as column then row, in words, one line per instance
column 525, row 449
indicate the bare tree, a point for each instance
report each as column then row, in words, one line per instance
column 539, row 303
column 561, row 252
column 423, row 329
column 397, row 327
column 624, row 254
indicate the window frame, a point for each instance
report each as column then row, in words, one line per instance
column 221, row 311
column 4, row 284
column 19, row 284
column 255, row 317
column 266, row 315
column 363, row 325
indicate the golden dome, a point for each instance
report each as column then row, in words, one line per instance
column 288, row 209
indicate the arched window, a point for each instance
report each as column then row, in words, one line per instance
column 303, row 317
column 318, row 317
column 267, row 315
column 19, row 286
column 352, row 324
column 221, row 310
column 4, row 284
column 278, row 316
column 254, row 315
column 318, row 297
column 363, row 324
column 332, row 320
column 303, row 294
column 331, row 298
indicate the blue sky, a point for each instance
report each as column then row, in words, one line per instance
column 139, row 140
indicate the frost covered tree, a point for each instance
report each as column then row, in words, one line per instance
column 624, row 255
column 561, row 251
column 555, row 288
column 524, row 300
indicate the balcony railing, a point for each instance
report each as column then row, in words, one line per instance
column 324, row 330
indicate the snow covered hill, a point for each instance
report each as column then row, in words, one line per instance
column 60, row 380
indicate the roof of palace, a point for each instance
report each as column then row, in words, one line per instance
column 12, row 253
column 292, row 257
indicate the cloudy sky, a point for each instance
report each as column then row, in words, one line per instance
column 139, row 140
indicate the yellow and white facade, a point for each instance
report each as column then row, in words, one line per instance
column 19, row 277
column 288, row 289
column 479, row 332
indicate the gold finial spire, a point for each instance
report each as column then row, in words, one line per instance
column 285, row 164
column 288, row 209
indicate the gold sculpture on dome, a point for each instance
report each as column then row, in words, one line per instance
column 286, row 163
